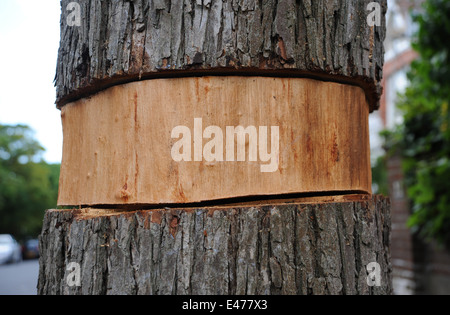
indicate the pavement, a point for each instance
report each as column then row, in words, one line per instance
column 19, row 279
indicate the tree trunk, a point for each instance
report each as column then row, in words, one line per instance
column 324, row 61
column 285, row 248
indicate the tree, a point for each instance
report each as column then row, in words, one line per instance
column 28, row 185
column 318, row 245
column 423, row 139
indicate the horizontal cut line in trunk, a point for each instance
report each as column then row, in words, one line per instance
column 369, row 88
column 313, row 197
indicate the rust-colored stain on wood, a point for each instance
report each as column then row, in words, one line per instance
column 156, row 217
column 173, row 227
column 117, row 143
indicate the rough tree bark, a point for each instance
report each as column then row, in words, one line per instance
column 295, row 248
column 123, row 41
column 302, row 246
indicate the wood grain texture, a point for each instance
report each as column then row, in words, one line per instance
column 299, row 248
column 117, row 144
column 121, row 41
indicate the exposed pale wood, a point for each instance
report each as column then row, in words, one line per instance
column 125, row 40
column 280, row 200
column 117, row 144
column 274, row 249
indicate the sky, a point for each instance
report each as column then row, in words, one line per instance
column 29, row 41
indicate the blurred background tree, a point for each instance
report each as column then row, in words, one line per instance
column 28, row 185
column 423, row 140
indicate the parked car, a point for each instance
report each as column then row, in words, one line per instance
column 10, row 250
column 31, row 249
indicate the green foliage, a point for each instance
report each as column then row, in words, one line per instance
column 423, row 139
column 28, row 185
column 379, row 177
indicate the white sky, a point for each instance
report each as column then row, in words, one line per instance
column 29, row 40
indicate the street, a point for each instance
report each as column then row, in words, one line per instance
column 19, row 279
